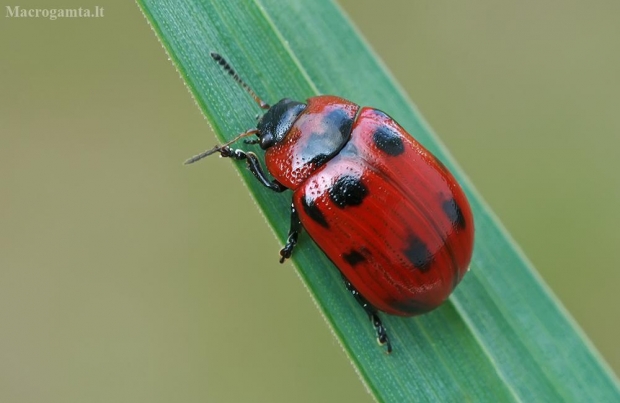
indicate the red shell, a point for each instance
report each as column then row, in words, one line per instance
column 387, row 213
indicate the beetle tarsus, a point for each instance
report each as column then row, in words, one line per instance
column 235, row 154
column 293, row 235
column 371, row 311
column 382, row 337
column 287, row 251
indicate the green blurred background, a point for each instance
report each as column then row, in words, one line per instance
column 123, row 279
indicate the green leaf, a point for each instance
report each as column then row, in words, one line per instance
column 502, row 336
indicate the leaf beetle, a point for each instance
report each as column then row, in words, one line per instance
column 384, row 210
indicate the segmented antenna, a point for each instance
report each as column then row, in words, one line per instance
column 219, row 147
column 222, row 62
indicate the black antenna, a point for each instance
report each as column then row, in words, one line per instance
column 222, row 62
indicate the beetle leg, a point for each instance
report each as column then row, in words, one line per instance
column 293, row 234
column 382, row 336
column 254, row 167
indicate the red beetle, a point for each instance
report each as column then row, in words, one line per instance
column 386, row 211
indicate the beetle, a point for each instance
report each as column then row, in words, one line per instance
column 384, row 210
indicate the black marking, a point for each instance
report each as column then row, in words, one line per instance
column 322, row 146
column 388, row 141
column 418, row 254
column 275, row 124
column 320, row 159
column 313, row 211
column 353, row 257
column 340, row 119
column 454, row 213
column 348, row 191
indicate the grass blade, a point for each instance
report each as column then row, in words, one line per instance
column 502, row 336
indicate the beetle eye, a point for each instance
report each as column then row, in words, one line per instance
column 265, row 140
column 257, row 117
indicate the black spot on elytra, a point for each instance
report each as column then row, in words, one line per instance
column 353, row 257
column 313, row 211
column 388, row 141
column 348, row 191
column 418, row 254
column 454, row 213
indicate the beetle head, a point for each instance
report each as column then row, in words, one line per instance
column 277, row 121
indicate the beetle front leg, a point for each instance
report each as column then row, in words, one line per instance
column 254, row 167
column 293, row 234
column 382, row 336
